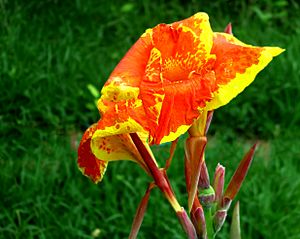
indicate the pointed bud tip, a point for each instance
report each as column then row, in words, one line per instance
column 220, row 168
column 228, row 29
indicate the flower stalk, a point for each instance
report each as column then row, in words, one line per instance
column 162, row 182
column 139, row 216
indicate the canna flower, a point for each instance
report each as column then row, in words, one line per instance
column 172, row 74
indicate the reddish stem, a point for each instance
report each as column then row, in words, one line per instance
column 138, row 218
column 163, row 184
column 172, row 151
column 157, row 174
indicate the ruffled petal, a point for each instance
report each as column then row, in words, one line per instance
column 182, row 104
column 171, row 74
column 89, row 165
column 177, row 82
column 152, row 92
column 236, row 66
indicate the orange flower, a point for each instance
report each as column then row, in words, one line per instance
column 166, row 80
column 171, row 74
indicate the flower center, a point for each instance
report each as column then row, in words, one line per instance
column 175, row 70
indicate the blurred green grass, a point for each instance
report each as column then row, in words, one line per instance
column 50, row 51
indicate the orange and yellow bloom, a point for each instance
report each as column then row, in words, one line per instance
column 172, row 74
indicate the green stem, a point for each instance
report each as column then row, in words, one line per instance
column 209, row 222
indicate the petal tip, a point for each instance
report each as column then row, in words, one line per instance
column 201, row 15
column 274, row 51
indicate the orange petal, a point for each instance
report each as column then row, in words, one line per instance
column 181, row 106
column 152, row 93
column 90, row 165
column 131, row 68
column 236, row 66
column 177, row 83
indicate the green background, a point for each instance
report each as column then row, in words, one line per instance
column 52, row 53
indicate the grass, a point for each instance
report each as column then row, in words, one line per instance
column 52, row 50
column 45, row 196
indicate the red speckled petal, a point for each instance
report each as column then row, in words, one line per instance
column 117, row 147
column 89, row 165
column 124, row 116
column 171, row 73
column 184, row 46
column 161, row 83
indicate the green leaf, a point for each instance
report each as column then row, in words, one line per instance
column 235, row 229
column 93, row 90
column 128, row 7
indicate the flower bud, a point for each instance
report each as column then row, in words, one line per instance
column 219, row 219
column 204, row 177
column 186, row 224
column 239, row 175
column 207, row 196
column 198, row 220
column 218, row 183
